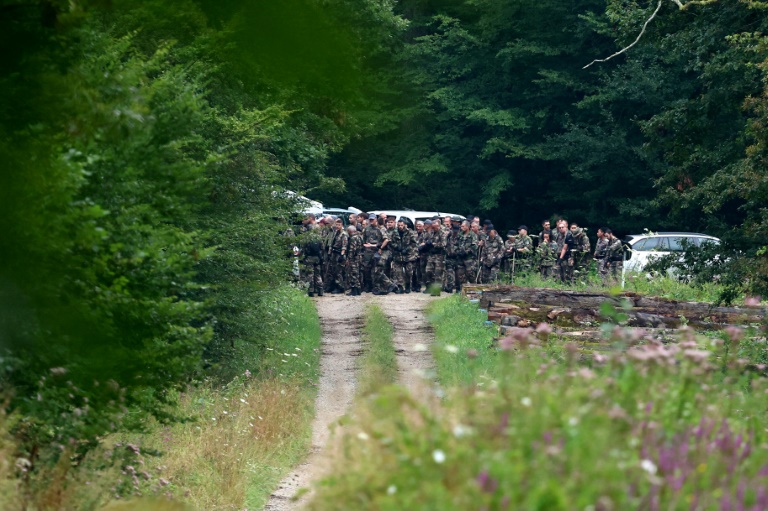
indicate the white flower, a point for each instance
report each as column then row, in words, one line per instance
column 573, row 421
column 526, row 401
column 450, row 348
column 460, row 431
column 648, row 466
column 363, row 436
column 438, row 456
column 392, row 489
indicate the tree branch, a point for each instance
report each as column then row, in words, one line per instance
column 645, row 25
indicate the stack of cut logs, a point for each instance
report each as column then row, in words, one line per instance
column 578, row 313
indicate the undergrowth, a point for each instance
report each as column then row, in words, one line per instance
column 231, row 446
column 650, row 426
column 378, row 364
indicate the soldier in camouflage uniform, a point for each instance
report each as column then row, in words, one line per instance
column 312, row 258
column 434, row 248
column 523, row 248
column 354, row 261
column 466, row 249
column 601, row 253
column 451, row 261
column 420, row 264
column 581, row 251
column 546, row 226
column 565, row 245
column 614, row 257
column 372, row 240
column 546, row 254
column 382, row 284
column 492, row 254
column 405, row 252
column 386, row 253
column 338, row 255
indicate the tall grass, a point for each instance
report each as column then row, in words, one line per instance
column 378, row 364
column 232, row 446
column 655, row 426
column 638, row 282
column 462, row 341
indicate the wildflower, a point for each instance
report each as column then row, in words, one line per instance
column 243, row 401
column 247, row 373
column 734, row 333
column 363, row 436
column 648, row 466
column 696, row 356
column 58, row 370
column 573, row 421
column 460, row 431
column 586, row 373
column 543, row 328
column 438, row 456
column 471, row 353
column 391, row 489
column 600, row 359
column 163, row 481
column 487, row 483
column 451, row 348
column 752, row 300
column 526, row 401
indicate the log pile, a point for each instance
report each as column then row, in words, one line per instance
column 511, row 306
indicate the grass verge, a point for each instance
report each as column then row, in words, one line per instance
column 234, row 444
column 655, row 426
column 462, row 341
column 378, row 364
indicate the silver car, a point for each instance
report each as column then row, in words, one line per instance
column 644, row 248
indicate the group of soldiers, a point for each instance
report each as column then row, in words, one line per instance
column 382, row 254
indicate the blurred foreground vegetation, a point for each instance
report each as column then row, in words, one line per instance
column 537, row 422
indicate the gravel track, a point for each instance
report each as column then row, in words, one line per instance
column 341, row 318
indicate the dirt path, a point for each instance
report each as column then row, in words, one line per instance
column 412, row 337
column 341, row 318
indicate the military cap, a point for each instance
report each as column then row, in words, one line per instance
column 372, row 217
column 390, row 217
column 491, row 227
column 523, row 227
column 403, row 219
column 427, row 222
column 487, row 222
column 511, row 233
column 456, row 218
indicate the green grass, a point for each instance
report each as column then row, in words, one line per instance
column 679, row 423
column 378, row 364
column 462, row 341
column 237, row 441
column 662, row 286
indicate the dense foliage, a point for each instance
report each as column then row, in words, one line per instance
column 141, row 238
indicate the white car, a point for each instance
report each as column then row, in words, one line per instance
column 644, row 248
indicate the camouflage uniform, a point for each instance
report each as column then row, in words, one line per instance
column 565, row 266
column 355, row 262
column 466, row 249
column 381, row 280
column 601, row 253
column 493, row 252
column 523, row 253
column 546, row 254
column 421, row 261
column 451, row 262
column 371, row 235
column 581, row 252
column 615, row 260
column 405, row 252
column 312, row 260
column 338, row 262
column 328, row 235
column 435, row 251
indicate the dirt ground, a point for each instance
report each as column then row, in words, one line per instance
column 342, row 318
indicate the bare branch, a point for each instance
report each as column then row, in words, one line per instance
column 684, row 6
column 645, row 25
